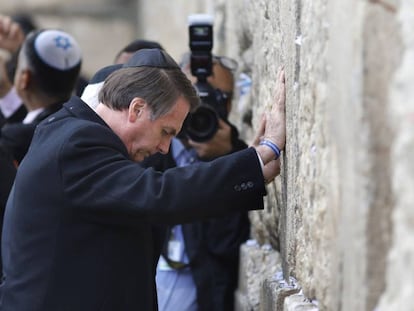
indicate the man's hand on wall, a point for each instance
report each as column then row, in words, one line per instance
column 273, row 129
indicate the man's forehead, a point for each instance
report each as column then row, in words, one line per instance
column 178, row 113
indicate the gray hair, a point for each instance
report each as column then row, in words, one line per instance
column 159, row 87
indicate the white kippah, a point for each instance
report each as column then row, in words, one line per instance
column 90, row 94
column 57, row 49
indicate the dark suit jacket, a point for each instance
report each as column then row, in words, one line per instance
column 212, row 245
column 7, row 173
column 16, row 136
column 78, row 229
column 17, row 116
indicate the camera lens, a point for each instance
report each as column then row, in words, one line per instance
column 202, row 124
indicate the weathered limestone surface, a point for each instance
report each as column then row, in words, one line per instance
column 257, row 263
column 333, row 220
column 399, row 289
column 296, row 220
column 297, row 302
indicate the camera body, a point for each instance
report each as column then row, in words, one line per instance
column 202, row 124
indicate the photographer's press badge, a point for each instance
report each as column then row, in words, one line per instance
column 174, row 253
column 174, row 250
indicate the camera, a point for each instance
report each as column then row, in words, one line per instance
column 202, row 124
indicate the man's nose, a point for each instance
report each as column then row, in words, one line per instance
column 164, row 145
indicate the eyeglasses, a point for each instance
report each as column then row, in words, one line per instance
column 224, row 61
column 227, row 62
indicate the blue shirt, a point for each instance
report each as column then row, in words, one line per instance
column 176, row 289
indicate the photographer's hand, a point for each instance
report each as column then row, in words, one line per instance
column 5, row 83
column 273, row 130
column 217, row 146
column 11, row 34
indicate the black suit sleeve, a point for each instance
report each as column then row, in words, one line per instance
column 17, row 138
column 97, row 177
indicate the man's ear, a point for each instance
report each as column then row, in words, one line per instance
column 24, row 80
column 136, row 108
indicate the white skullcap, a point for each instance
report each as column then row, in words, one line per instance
column 90, row 94
column 57, row 49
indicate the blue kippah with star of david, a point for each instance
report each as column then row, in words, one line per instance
column 57, row 49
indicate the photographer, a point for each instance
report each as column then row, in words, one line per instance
column 226, row 138
column 204, row 274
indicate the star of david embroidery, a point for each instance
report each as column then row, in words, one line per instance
column 62, row 42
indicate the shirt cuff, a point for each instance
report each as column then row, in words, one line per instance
column 10, row 103
column 260, row 160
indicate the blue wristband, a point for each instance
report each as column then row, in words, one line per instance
column 272, row 146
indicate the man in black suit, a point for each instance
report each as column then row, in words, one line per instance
column 47, row 70
column 206, row 275
column 78, row 225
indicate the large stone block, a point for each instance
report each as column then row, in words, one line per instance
column 274, row 292
column 297, row 302
column 256, row 264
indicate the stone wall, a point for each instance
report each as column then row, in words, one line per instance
column 344, row 186
column 400, row 270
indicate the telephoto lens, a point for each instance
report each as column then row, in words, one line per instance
column 202, row 124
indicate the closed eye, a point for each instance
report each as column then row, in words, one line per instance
column 168, row 132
